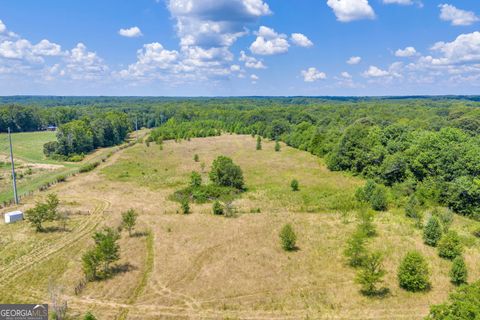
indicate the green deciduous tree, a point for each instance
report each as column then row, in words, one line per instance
column 414, row 273
column 226, row 173
column 129, row 219
column 91, row 261
column 107, row 247
column 371, row 273
column 462, row 304
column 288, row 237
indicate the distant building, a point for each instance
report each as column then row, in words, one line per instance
column 51, row 128
column 14, row 216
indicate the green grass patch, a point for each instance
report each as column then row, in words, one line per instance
column 205, row 193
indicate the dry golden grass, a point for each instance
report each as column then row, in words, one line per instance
column 211, row 267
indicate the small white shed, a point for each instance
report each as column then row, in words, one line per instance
column 13, row 216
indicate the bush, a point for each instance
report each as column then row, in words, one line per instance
column 355, row 251
column 89, row 316
column 88, row 167
column 458, row 272
column 195, row 180
column 413, row 273
column 374, row 194
column 411, row 208
column 259, row 143
column 185, row 206
column 205, row 193
column 432, row 232
column 366, row 225
column 462, row 304
column 379, row 201
column 196, row 158
column 288, row 237
column 294, row 185
column 371, row 273
column 226, row 173
column 217, row 208
column 277, row 146
column 450, row 247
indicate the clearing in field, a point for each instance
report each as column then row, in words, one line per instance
column 201, row 266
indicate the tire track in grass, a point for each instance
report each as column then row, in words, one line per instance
column 149, row 263
column 17, row 268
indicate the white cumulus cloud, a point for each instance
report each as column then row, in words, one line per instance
column 350, row 10
column 375, row 72
column 3, row 27
column 354, row 60
column 269, row 42
column 251, row 62
column 312, row 75
column 402, row 2
column 456, row 16
column 407, row 52
column 301, row 40
column 132, row 32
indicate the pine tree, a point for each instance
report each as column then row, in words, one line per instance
column 355, row 251
column 459, row 272
column 432, row 232
column 413, row 273
column 450, row 246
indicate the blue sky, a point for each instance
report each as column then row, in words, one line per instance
column 239, row 47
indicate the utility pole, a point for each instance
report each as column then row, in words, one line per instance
column 14, row 177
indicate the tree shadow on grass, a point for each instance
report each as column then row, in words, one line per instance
column 377, row 294
column 139, row 234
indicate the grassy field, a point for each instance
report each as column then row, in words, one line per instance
column 32, row 167
column 201, row 266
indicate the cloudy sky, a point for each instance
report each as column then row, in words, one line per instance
column 239, row 47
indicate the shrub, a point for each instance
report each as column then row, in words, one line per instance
column 432, row 232
column 88, row 167
column 458, row 272
column 413, row 273
column 185, row 206
column 373, row 194
column 371, row 273
column 366, row 225
column 294, row 185
column 226, row 173
column 355, row 250
column 288, row 237
column 378, row 200
column 411, row 208
column 205, row 193
column 217, row 208
column 89, row 316
column 277, row 146
column 450, row 247
column 462, row 304
column 195, row 180
column 259, row 143
column 196, row 158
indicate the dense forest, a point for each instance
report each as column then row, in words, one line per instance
column 427, row 148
